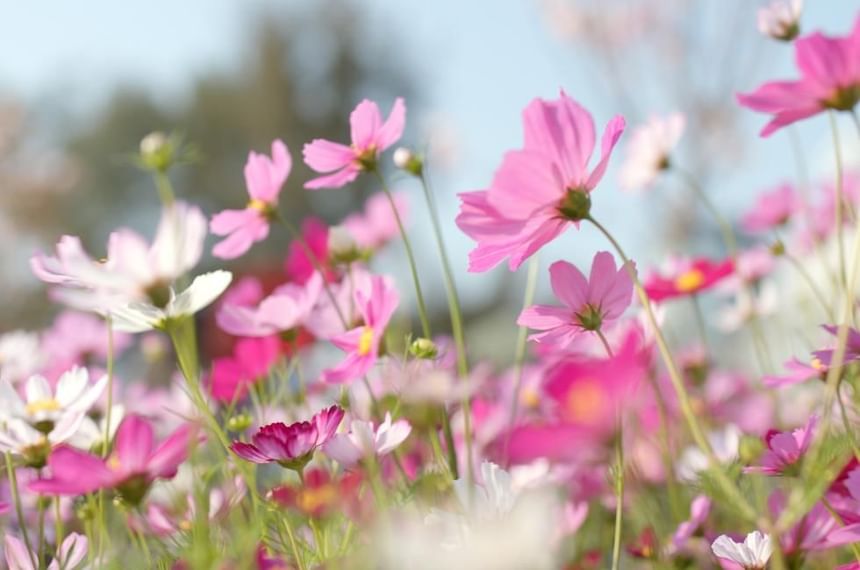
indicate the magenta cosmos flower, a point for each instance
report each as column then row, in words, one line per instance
column 687, row 278
column 362, row 344
column 370, row 136
column 130, row 469
column 264, row 177
column 589, row 304
column 785, row 449
column 829, row 79
column 290, row 446
column 538, row 190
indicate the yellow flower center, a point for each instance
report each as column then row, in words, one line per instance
column 530, row 398
column 585, row 401
column 311, row 499
column 690, row 280
column 49, row 405
column 365, row 341
column 258, row 205
column 816, row 364
column 113, row 463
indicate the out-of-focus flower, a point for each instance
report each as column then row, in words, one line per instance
column 725, row 443
column 290, row 446
column 251, row 362
column 21, row 439
column 785, row 449
column 590, row 304
column 780, row 19
column 746, row 306
column 540, row 190
column 700, row 508
column 687, row 278
column 320, row 494
column 313, row 242
column 649, row 151
column 852, row 346
column 830, row 80
column 362, row 344
column 366, row 440
column 370, row 137
column 285, row 309
column 70, row 554
column 129, row 470
column 21, row 355
column 797, row 372
column 771, row 210
column 264, row 178
column 377, row 226
column 752, row 554
column 76, row 339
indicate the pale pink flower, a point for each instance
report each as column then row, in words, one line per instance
column 540, row 190
column 69, row 556
column 785, row 449
column 589, row 304
column 264, row 178
column 376, row 226
column 830, row 79
column 649, row 150
column 700, row 508
column 370, row 137
column 367, row 440
column 363, row 342
column 772, row 209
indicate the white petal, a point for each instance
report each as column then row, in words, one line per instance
column 202, row 291
column 38, row 389
column 71, row 385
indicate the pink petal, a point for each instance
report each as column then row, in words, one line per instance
column 525, row 183
column 325, row 156
column 340, row 178
column 171, row 453
column 134, row 440
column 364, row 121
column 350, row 368
column 569, row 284
column 74, row 473
column 392, row 130
column 249, row 452
column 544, row 317
column 611, row 134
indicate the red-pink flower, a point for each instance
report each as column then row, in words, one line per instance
column 370, row 136
column 264, row 177
column 251, row 361
column 589, row 303
column 687, row 278
column 290, row 446
column 362, row 343
column 314, row 241
column 771, row 210
column 785, row 449
column 539, row 190
column 130, row 469
column 829, row 79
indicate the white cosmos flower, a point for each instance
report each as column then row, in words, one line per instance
column 41, row 406
column 366, row 440
column 780, row 19
column 20, row 355
column 752, row 554
column 139, row 316
column 724, row 442
column 91, row 433
column 20, row 438
column 649, row 149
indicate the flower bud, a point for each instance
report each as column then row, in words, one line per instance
column 157, row 151
column 341, row 245
column 239, row 422
column 404, row 159
column 423, row 348
column 780, row 20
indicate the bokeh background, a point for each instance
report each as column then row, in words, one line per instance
column 82, row 82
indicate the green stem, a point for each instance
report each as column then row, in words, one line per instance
column 728, row 486
column 840, row 203
column 110, row 358
column 700, row 323
column 604, row 342
column 289, row 528
column 164, row 187
column 19, row 510
column 849, row 431
column 810, row 282
column 724, row 225
column 619, row 496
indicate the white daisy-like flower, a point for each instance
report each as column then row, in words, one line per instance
column 21, row 439
column 753, row 553
column 139, row 316
column 725, row 443
column 90, row 435
column 649, row 149
column 366, row 440
column 780, row 19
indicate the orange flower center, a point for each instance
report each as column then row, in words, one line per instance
column 312, row 499
column 690, row 280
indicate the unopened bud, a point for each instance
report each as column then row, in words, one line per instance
column 341, row 245
column 777, row 249
column 781, row 19
column 423, row 348
column 239, row 422
column 157, row 151
column 404, row 159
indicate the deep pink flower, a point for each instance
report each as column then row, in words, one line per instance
column 251, row 361
column 264, row 178
column 589, row 303
column 817, row 530
column 290, row 446
column 130, row 469
column 370, row 136
column 687, row 278
column 785, row 449
column 299, row 267
column 852, row 346
column 285, row 309
column 829, row 79
column 772, row 209
column 539, row 190
column 362, row 343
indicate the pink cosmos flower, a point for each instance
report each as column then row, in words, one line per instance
column 298, row 266
column 376, row 226
column 772, row 209
column 785, row 449
column 362, row 343
column 852, row 346
column 130, row 469
column 796, row 372
column 830, row 79
column 285, row 309
column 539, row 190
column 251, row 361
column 817, row 530
column 264, row 178
column 370, row 137
column 687, row 278
column 700, row 508
column 366, row 440
column 290, row 446
column 69, row 556
column 590, row 303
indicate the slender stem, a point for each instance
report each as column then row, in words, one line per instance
column 841, row 522
column 19, row 510
column 810, row 282
column 619, row 495
column 58, row 522
column 700, row 323
column 110, row 359
column 604, row 342
column 165, row 189
column 849, row 430
column 723, row 480
column 856, row 118
column 724, row 225
column 840, row 203
column 40, row 509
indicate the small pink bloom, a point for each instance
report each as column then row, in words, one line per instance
column 852, row 346
column 370, row 136
column 687, row 278
column 290, row 446
column 796, row 372
column 264, row 178
column 314, row 241
column 69, row 556
column 785, row 449
column 830, row 79
column 700, row 508
column 130, row 470
column 376, row 226
column 362, row 343
column 772, row 209
column 366, row 440
column 539, row 190
column 251, row 361
column 589, row 304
